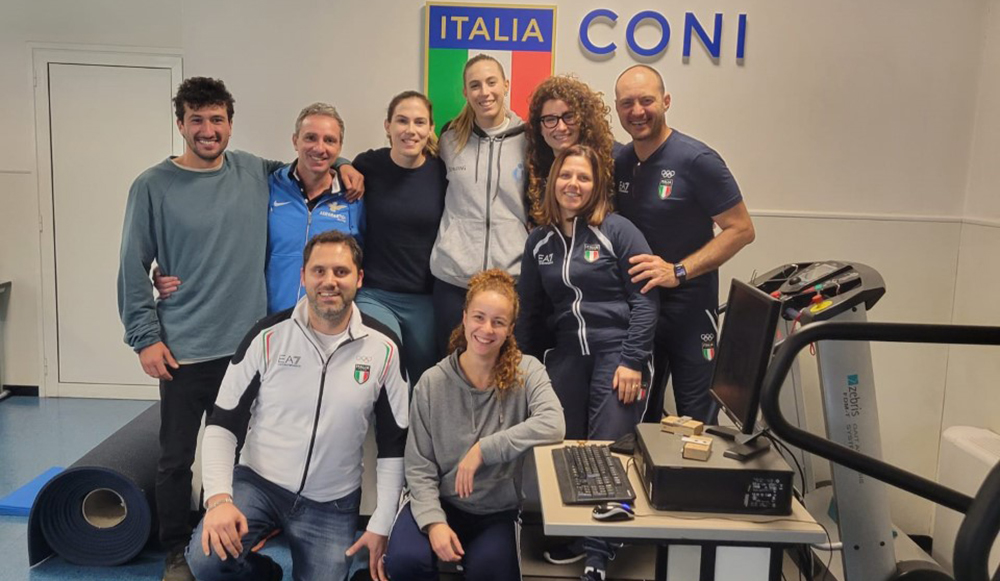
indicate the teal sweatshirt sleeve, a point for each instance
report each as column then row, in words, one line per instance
column 545, row 423
column 136, row 305
column 271, row 165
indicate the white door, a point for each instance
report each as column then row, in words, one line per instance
column 104, row 118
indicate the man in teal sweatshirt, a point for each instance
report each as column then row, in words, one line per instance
column 203, row 217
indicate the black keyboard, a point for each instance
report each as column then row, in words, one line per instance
column 590, row 474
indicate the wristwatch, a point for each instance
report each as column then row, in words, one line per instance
column 680, row 273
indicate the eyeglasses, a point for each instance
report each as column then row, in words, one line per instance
column 550, row 121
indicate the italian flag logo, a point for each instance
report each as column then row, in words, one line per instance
column 520, row 38
column 362, row 373
column 591, row 252
column 708, row 346
column 666, row 186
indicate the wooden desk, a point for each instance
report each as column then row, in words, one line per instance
column 711, row 531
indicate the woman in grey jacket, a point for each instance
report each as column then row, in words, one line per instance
column 484, row 223
column 472, row 416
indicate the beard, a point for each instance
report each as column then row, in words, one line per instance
column 331, row 314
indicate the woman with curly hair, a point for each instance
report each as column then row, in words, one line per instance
column 472, row 416
column 564, row 111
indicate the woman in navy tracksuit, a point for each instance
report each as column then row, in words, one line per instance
column 577, row 259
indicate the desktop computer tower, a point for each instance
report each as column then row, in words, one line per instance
column 760, row 485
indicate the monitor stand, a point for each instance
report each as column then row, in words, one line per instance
column 724, row 432
column 745, row 446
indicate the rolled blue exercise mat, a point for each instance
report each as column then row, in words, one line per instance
column 100, row 511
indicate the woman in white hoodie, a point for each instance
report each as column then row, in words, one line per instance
column 484, row 223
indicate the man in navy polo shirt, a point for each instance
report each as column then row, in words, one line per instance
column 676, row 190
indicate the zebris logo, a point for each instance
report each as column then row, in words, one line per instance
column 289, row 360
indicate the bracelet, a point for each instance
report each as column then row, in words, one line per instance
column 227, row 500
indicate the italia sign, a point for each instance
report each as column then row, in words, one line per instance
column 520, row 37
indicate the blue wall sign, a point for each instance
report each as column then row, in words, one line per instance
column 712, row 41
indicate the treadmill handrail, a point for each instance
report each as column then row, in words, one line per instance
column 887, row 332
column 978, row 531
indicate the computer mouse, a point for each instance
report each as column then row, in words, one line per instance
column 613, row 511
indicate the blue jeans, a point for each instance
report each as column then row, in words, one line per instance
column 411, row 318
column 318, row 533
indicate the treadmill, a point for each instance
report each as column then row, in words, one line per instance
column 868, row 553
column 855, row 510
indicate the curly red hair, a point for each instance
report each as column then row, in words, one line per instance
column 506, row 373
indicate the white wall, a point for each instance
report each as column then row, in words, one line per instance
column 973, row 372
column 99, row 22
column 855, row 108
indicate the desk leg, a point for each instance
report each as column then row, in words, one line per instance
column 708, row 561
column 662, row 553
column 777, row 562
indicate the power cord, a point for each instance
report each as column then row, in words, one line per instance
column 798, row 467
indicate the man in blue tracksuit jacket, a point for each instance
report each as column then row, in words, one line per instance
column 306, row 199
column 601, row 320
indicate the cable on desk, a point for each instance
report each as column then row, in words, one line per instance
column 802, row 476
column 829, row 559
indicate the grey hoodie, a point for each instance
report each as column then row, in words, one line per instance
column 484, row 221
column 448, row 415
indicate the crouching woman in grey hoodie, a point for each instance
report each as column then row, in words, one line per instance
column 472, row 416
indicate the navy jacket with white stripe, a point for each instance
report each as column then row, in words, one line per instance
column 595, row 306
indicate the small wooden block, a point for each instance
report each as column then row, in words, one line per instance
column 697, row 448
column 684, row 426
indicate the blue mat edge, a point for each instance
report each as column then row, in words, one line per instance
column 18, row 503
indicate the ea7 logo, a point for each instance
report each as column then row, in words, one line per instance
column 289, row 360
column 544, row 259
column 623, row 187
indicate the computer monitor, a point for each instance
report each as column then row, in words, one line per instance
column 744, row 351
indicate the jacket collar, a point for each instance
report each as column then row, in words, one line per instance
column 293, row 175
column 516, row 127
